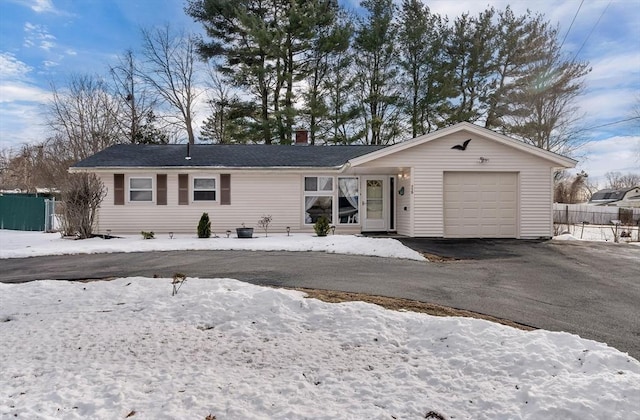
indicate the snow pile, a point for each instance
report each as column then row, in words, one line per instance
column 16, row 244
column 565, row 237
column 105, row 350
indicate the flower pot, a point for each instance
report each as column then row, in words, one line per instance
column 244, row 232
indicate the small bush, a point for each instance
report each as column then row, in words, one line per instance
column 264, row 224
column 204, row 226
column 147, row 235
column 322, row 226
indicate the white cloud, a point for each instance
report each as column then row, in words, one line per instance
column 38, row 36
column 621, row 69
column 12, row 68
column 21, row 122
column 42, row 6
column 21, row 103
column 38, row 6
column 611, row 154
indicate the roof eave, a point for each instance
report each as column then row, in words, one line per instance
column 75, row 169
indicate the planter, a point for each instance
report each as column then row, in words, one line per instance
column 244, row 232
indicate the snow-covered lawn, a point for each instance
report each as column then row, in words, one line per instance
column 597, row 233
column 17, row 244
column 105, row 350
column 220, row 347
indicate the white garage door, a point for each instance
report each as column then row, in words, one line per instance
column 480, row 204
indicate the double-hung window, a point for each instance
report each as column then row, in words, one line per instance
column 141, row 189
column 204, row 189
column 318, row 198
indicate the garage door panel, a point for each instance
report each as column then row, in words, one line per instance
column 480, row 204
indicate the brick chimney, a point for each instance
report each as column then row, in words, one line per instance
column 302, row 137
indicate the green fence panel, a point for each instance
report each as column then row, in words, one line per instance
column 19, row 212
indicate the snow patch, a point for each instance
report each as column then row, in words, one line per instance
column 101, row 350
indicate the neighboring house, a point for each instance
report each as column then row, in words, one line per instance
column 625, row 197
column 461, row 181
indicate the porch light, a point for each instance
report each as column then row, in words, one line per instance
column 170, row 235
column 333, row 229
column 288, row 230
column 228, row 233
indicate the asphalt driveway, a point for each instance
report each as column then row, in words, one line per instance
column 587, row 288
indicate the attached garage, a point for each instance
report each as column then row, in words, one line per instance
column 465, row 181
column 480, row 204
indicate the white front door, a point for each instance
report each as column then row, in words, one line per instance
column 374, row 204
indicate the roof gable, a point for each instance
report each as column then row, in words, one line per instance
column 223, row 156
column 472, row 129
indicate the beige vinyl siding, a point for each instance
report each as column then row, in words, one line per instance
column 404, row 217
column 430, row 160
column 253, row 194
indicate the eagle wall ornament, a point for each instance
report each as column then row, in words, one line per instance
column 462, row 146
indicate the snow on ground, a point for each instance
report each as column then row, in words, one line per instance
column 598, row 233
column 106, row 350
column 17, row 244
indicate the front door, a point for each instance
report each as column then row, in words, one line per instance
column 374, row 206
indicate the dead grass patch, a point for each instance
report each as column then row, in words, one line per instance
column 399, row 304
column 438, row 258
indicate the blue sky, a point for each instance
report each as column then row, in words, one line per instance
column 43, row 41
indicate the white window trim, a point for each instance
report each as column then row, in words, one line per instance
column 192, row 190
column 129, row 189
column 357, row 178
column 319, row 193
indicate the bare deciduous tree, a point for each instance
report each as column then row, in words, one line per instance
column 137, row 121
column 571, row 190
column 618, row 180
column 84, row 116
column 170, row 69
column 82, row 196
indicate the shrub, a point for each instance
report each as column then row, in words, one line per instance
column 147, row 235
column 322, row 226
column 264, row 224
column 82, row 195
column 204, row 226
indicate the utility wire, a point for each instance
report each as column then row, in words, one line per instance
column 608, row 124
column 571, row 25
column 591, row 31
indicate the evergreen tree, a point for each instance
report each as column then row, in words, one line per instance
column 421, row 41
column 470, row 51
column 377, row 66
column 331, row 41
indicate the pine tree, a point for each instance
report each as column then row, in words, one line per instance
column 376, row 61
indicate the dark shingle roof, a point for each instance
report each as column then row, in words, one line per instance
column 224, row 155
column 610, row 195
